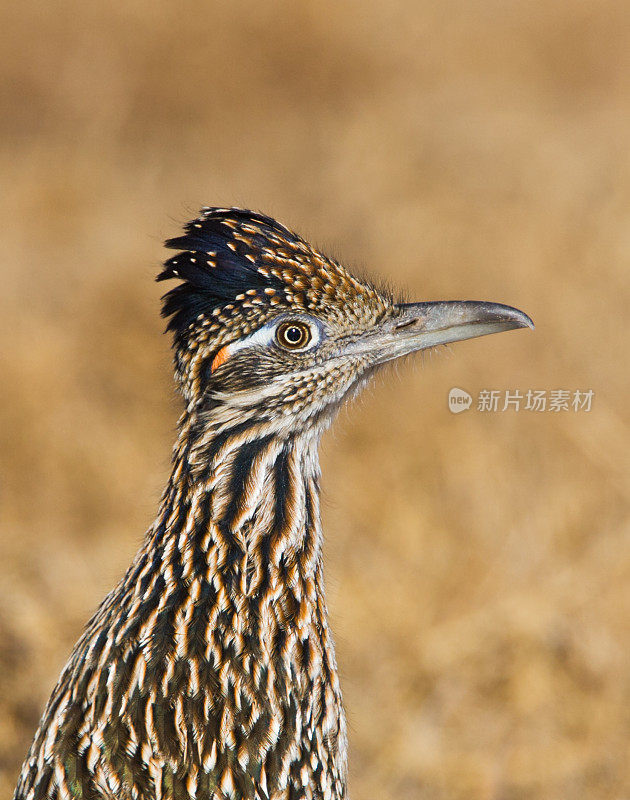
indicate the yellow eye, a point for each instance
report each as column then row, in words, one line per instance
column 293, row 335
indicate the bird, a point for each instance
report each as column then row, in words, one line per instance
column 209, row 671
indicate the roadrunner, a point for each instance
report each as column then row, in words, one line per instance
column 209, row 671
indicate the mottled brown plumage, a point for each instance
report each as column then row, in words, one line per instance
column 209, row 671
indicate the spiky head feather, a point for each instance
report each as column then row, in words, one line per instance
column 238, row 269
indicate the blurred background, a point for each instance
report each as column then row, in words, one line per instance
column 478, row 565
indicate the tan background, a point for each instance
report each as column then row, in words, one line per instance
column 478, row 566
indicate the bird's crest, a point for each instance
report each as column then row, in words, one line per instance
column 235, row 265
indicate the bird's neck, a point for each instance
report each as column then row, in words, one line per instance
column 243, row 502
column 230, row 580
column 234, row 557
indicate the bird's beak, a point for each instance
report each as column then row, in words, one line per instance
column 418, row 326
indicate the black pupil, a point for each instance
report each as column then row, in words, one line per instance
column 293, row 334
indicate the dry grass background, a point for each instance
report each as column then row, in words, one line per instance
column 478, row 566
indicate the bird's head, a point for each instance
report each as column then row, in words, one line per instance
column 265, row 325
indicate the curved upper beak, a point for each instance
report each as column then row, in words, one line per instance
column 418, row 326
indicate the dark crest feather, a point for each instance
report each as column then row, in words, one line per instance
column 212, row 262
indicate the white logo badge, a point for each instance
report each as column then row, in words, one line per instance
column 458, row 400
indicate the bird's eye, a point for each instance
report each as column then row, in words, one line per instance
column 293, row 335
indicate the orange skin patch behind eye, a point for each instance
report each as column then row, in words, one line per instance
column 220, row 358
